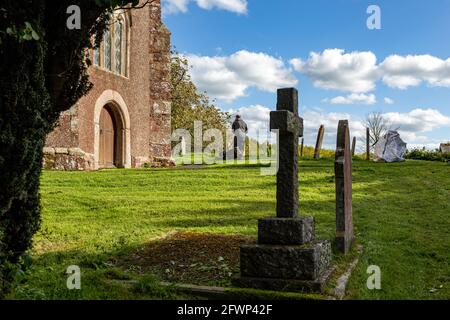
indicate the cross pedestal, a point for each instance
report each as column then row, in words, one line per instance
column 287, row 256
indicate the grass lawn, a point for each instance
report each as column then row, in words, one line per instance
column 100, row 221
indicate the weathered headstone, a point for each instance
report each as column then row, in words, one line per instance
column 367, row 144
column 319, row 142
column 343, row 172
column 286, row 257
column 302, row 147
column 354, row 146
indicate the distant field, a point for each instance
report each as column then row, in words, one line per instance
column 401, row 212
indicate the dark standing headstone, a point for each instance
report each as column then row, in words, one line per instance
column 302, row 147
column 367, row 144
column 319, row 142
column 343, row 172
column 286, row 257
column 354, row 146
column 290, row 127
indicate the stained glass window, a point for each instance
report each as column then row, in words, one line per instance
column 118, row 46
column 96, row 56
column 107, row 49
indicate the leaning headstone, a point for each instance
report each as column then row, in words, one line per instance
column 343, row 172
column 319, row 142
column 354, row 146
column 286, row 258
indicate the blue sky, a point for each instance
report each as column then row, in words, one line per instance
column 242, row 50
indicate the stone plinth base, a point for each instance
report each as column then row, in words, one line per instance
column 286, row 285
column 306, row 262
column 286, row 258
column 284, row 231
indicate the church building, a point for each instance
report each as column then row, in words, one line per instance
column 124, row 121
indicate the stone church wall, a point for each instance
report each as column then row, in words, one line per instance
column 145, row 94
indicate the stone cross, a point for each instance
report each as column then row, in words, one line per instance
column 319, row 142
column 290, row 127
column 343, row 172
column 287, row 257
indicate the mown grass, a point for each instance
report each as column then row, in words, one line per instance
column 401, row 214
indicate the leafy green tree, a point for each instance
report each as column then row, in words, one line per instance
column 189, row 105
column 43, row 72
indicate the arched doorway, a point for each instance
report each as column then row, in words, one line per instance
column 111, row 138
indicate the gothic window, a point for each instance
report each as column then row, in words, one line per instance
column 112, row 55
column 96, row 56
column 118, row 45
column 107, row 49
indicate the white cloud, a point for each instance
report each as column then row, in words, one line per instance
column 228, row 77
column 334, row 69
column 238, row 6
column 388, row 101
column 412, row 125
column 314, row 118
column 358, row 71
column 175, row 6
column 417, row 120
column 403, row 72
column 354, row 98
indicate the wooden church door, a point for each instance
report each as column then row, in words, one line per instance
column 107, row 139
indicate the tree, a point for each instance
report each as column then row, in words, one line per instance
column 189, row 105
column 377, row 125
column 43, row 72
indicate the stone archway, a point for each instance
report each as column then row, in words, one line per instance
column 111, row 107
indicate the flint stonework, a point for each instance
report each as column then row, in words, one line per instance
column 343, row 173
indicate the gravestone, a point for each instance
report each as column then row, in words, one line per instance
column 319, row 142
column 354, row 146
column 302, row 147
column 343, row 173
column 367, row 144
column 287, row 256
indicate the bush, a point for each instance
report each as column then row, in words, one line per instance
column 417, row 154
column 308, row 153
